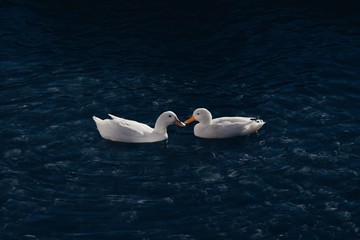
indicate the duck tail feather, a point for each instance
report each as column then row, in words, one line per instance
column 96, row 119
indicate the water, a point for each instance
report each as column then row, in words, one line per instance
column 294, row 64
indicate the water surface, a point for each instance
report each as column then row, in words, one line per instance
column 294, row 64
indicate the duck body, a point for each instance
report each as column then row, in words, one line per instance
column 223, row 127
column 129, row 131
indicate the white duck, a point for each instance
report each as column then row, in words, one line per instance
column 224, row 127
column 129, row 131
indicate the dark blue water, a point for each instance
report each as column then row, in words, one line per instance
column 295, row 64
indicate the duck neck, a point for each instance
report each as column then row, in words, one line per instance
column 160, row 127
column 206, row 121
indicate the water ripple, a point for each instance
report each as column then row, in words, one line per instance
column 293, row 65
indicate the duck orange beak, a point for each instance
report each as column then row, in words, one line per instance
column 190, row 120
column 179, row 123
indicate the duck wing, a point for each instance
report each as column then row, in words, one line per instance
column 130, row 127
column 231, row 125
column 236, row 126
column 231, row 120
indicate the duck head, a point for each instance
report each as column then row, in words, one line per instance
column 201, row 115
column 165, row 119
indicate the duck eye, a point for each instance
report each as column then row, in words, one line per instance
column 198, row 114
column 170, row 116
